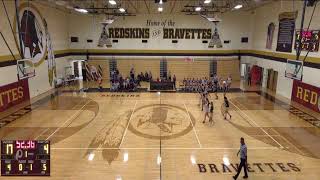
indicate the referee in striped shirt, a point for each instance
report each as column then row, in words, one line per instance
column 243, row 159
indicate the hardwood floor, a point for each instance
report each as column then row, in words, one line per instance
column 150, row 136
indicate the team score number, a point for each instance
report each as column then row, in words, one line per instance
column 8, row 166
column 46, row 148
column 44, row 167
column 9, row 149
column 21, row 167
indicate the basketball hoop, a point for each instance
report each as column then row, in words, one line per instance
column 294, row 69
column 25, row 69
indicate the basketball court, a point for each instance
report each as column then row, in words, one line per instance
column 62, row 93
column 153, row 136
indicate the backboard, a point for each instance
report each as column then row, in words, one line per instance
column 294, row 69
column 25, row 69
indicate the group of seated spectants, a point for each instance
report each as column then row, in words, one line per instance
column 209, row 84
column 130, row 83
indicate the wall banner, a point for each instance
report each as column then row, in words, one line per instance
column 287, row 25
column 13, row 94
column 270, row 33
column 307, row 95
column 158, row 29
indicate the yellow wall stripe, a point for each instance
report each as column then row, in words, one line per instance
column 131, row 51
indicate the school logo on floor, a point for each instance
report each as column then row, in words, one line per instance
column 161, row 121
column 255, row 167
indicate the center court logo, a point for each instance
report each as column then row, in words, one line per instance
column 161, row 121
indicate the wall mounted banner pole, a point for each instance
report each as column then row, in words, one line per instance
column 19, row 29
column 14, row 35
column 301, row 29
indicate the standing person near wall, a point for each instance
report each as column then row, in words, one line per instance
column 249, row 78
column 174, row 81
column 100, row 83
column 229, row 81
column 243, row 159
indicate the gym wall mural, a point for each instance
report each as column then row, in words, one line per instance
column 164, row 29
column 35, row 38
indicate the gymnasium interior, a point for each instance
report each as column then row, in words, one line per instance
column 160, row 89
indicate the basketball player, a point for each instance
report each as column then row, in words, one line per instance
column 229, row 80
column 226, row 108
column 206, row 110
column 211, row 112
column 203, row 100
column 224, row 87
column 216, row 84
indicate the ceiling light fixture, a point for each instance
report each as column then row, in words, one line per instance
column 113, row 2
column 198, row 8
column 122, row 10
column 160, row 9
column 207, row 1
column 238, row 6
column 160, row 2
column 81, row 10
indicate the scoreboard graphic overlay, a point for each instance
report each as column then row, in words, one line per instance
column 25, row 158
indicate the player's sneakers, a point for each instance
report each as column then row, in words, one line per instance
column 245, row 177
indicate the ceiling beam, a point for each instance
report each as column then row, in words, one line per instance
column 174, row 5
column 147, row 6
column 134, row 7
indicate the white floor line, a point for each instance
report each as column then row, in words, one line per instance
column 281, row 147
column 169, row 148
column 148, row 100
column 125, row 131
column 69, row 119
column 42, row 133
column 194, row 130
column 289, row 142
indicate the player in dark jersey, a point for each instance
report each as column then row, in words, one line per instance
column 211, row 112
column 226, row 108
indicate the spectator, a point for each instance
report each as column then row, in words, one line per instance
column 229, row 81
column 150, row 76
column 249, row 78
column 174, row 81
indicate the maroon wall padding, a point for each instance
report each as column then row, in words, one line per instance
column 306, row 94
column 14, row 94
column 255, row 74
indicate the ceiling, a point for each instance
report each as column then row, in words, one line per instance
column 134, row 7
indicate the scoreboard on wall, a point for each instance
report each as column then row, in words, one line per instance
column 25, row 158
column 310, row 40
